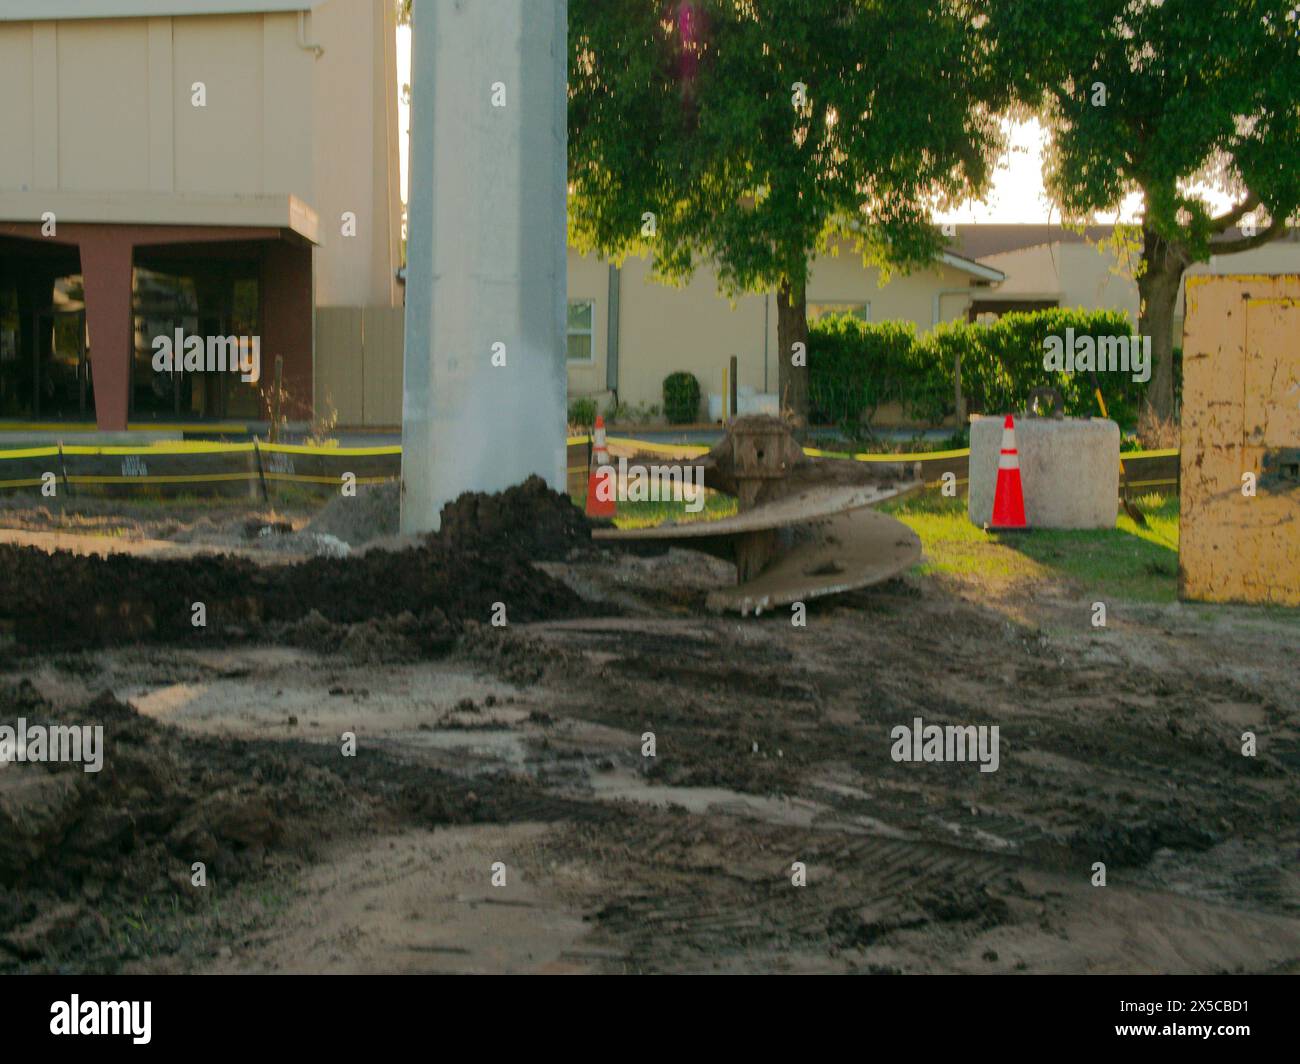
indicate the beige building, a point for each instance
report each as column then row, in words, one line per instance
column 627, row 333
column 1061, row 268
column 230, row 168
column 217, row 166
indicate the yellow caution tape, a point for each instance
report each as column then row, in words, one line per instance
column 1168, row 452
column 31, row 452
column 346, row 452
column 190, row 447
column 922, row 456
column 216, row 427
column 162, row 449
column 302, row 478
column 182, row 478
column 1148, row 483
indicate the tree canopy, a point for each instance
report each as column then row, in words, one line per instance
column 1166, row 98
column 751, row 133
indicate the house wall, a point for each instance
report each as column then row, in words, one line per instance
column 841, row 278
column 663, row 329
column 1080, row 275
column 589, row 279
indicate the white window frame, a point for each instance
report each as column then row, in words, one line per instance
column 590, row 333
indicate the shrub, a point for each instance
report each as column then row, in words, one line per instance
column 582, row 413
column 630, row 413
column 681, row 398
column 1003, row 363
column 854, row 366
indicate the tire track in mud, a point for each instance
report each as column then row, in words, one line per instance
column 1109, row 762
column 705, row 895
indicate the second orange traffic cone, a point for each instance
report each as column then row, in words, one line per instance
column 601, row 478
column 1009, row 496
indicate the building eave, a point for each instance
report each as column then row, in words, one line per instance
column 970, row 266
column 65, row 10
column 998, row 296
column 123, row 208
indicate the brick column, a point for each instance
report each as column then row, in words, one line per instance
column 288, row 323
column 106, row 253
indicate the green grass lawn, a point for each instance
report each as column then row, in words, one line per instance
column 650, row 514
column 1124, row 562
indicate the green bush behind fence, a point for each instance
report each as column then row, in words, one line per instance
column 855, row 367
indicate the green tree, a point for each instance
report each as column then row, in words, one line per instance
column 754, row 133
column 1167, row 99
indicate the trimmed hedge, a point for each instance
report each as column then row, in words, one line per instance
column 856, row 366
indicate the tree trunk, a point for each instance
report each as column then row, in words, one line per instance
column 1158, row 295
column 792, row 330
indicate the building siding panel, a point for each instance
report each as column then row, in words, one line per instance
column 219, row 147
column 103, row 106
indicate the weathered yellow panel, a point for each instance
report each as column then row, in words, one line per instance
column 359, row 365
column 384, row 335
column 1272, row 378
column 1241, row 406
column 340, row 364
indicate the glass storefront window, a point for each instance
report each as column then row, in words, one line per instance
column 217, row 302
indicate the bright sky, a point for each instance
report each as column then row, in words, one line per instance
column 1017, row 194
column 403, row 112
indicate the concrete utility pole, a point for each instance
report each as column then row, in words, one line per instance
column 485, row 376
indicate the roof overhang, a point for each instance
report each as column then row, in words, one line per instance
column 949, row 258
column 152, row 208
column 61, row 10
column 1018, row 297
column 970, row 266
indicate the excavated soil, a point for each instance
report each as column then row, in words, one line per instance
column 525, row 747
column 533, row 520
column 97, row 869
column 373, row 513
column 529, row 520
column 406, row 602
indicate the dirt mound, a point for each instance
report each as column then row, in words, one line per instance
column 530, row 518
column 377, row 641
column 420, row 596
column 372, row 513
column 66, row 600
column 97, row 868
column 79, row 850
column 1134, row 843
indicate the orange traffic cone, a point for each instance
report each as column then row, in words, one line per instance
column 601, row 479
column 1009, row 498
